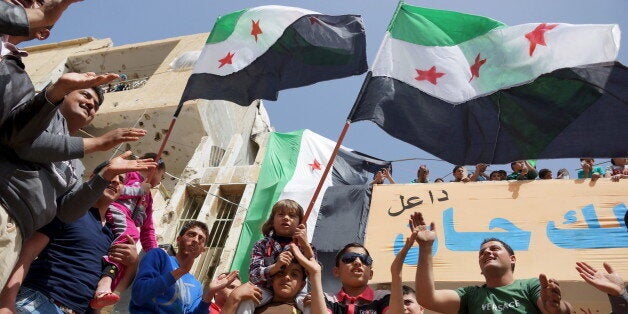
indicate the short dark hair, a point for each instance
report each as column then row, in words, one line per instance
column 511, row 252
column 193, row 224
column 456, row 168
column 543, row 172
column 346, row 248
column 407, row 290
column 161, row 165
column 99, row 93
column 294, row 261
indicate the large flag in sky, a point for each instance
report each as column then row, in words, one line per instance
column 291, row 169
column 470, row 89
column 253, row 54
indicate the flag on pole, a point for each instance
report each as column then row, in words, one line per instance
column 470, row 89
column 254, row 53
column 291, row 169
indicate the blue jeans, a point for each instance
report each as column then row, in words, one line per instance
column 33, row 301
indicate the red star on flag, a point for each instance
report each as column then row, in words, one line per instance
column 255, row 29
column 315, row 165
column 537, row 36
column 226, row 59
column 314, row 20
column 430, row 75
column 475, row 68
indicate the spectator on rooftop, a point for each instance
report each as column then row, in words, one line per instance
column 589, row 170
column 460, row 174
column 495, row 176
column 522, row 170
column 422, row 175
column 382, row 174
column 563, row 174
column 480, row 173
column 618, row 169
column 545, row 174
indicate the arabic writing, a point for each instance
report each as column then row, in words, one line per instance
column 414, row 201
column 518, row 239
column 594, row 236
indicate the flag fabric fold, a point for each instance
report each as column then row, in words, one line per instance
column 470, row 89
column 255, row 53
column 291, row 169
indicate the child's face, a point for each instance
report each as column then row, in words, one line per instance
column 157, row 177
column 288, row 282
column 410, row 305
column 355, row 273
column 285, row 222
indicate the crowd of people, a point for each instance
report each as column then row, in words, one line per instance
column 521, row 170
column 68, row 246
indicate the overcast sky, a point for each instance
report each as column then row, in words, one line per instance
column 136, row 21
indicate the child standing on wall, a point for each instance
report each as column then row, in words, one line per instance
column 272, row 253
column 132, row 210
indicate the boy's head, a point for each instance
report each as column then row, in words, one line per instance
column 288, row 282
column 79, row 107
column 496, row 254
column 410, row 304
column 354, row 266
column 192, row 238
column 160, row 171
column 458, row 172
column 495, row 176
column 545, row 174
column 221, row 295
column 285, row 214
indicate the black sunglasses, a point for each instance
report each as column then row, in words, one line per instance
column 350, row 257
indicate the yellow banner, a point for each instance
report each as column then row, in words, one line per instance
column 550, row 224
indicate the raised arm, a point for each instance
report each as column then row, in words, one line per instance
column 30, row 249
column 551, row 301
column 608, row 282
column 444, row 301
column 49, row 13
column 313, row 269
column 247, row 291
column 396, row 281
column 77, row 202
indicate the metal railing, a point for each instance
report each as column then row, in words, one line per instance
column 218, row 234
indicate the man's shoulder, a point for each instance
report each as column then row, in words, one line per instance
column 155, row 254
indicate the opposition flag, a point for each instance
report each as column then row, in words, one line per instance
column 470, row 89
column 291, row 169
column 253, row 54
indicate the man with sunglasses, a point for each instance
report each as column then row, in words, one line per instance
column 354, row 269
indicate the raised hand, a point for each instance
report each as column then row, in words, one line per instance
column 423, row 235
column 120, row 164
column 69, row 82
column 112, row 138
column 284, row 259
column 310, row 264
column 607, row 281
column 551, row 296
column 223, row 280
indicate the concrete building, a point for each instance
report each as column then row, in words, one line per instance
column 214, row 151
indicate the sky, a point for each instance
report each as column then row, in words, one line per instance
column 323, row 107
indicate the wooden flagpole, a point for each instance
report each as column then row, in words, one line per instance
column 330, row 162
